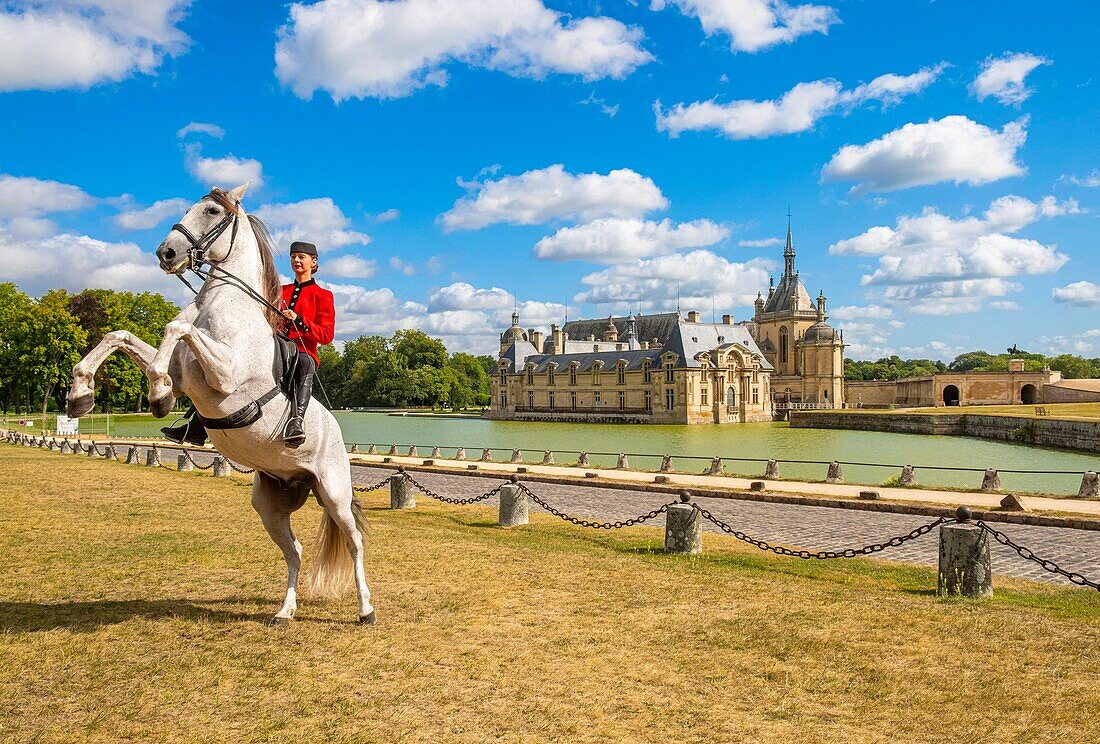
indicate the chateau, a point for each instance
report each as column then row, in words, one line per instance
column 668, row 369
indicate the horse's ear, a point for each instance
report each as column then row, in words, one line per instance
column 238, row 193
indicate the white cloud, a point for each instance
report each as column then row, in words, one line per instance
column 933, row 247
column 201, row 128
column 1078, row 294
column 317, row 221
column 615, row 240
column 407, row 268
column 1079, row 344
column 55, row 44
column 137, row 218
column 77, row 262
column 350, row 267
column 367, row 48
column 1003, row 77
column 464, row 296
column 948, row 298
column 1005, row 305
column 605, row 107
column 387, row 216
column 551, row 193
column 950, row 149
column 1091, row 181
column 22, row 196
column 698, row 276
column 227, row 172
column 798, row 110
column 761, row 243
column 865, row 312
column 753, row 25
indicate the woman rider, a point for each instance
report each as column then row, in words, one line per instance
column 310, row 322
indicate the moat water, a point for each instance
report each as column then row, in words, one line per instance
column 763, row 441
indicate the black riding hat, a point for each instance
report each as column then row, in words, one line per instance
column 301, row 247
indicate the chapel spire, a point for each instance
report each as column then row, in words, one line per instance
column 788, row 252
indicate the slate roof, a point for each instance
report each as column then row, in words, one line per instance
column 647, row 327
column 780, row 301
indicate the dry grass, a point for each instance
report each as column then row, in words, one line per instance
column 132, row 606
column 1069, row 411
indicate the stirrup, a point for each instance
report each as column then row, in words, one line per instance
column 294, row 435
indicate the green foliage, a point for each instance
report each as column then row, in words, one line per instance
column 891, row 368
column 894, row 367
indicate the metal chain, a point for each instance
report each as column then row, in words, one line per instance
column 375, row 487
column 588, row 523
column 101, row 454
column 1047, row 565
column 432, row 494
column 893, row 542
column 246, row 471
column 187, row 453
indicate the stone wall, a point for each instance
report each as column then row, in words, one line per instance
column 1063, row 393
column 870, row 393
column 1082, row 436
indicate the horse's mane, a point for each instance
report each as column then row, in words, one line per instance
column 272, row 288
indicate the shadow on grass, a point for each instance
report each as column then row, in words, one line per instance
column 30, row 617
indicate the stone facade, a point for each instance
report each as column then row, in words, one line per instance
column 686, row 372
column 1016, row 386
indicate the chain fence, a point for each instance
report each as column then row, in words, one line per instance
column 870, row 549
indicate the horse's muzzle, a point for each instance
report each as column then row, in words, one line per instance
column 172, row 261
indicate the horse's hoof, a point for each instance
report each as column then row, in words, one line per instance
column 368, row 619
column 280, row 622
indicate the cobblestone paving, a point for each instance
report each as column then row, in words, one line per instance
column 791, row 525
column 810, row 527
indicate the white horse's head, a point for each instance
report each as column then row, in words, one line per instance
column 206, row 231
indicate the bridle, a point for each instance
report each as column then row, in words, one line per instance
column 197, row 247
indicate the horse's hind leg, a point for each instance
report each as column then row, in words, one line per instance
column 335, row 492
column 275, row 503
column 81, row 398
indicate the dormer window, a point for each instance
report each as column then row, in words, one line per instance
column 647, row 375
column 596, row 372
column 530, row 374
column 550, row 374
column 621, row 372
column 573, row 374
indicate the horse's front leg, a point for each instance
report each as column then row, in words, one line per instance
column 216, row 359
column 81, row 397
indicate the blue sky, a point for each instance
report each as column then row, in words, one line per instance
column 940, row 159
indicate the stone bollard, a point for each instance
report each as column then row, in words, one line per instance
column 666, row 464
column 393, row 449
column 436, row 453
column 991, row 481
column 1090, row 486
column 221, row 467
column 355, row 449
column 486, row 455
column 412, row 451
column 715, row 466
column 402, row 495
column 66, row 448
column 517, row 456
column 772, row 469
column 109, row 453
column 869, row 495
column 757, row 486
column 964, row 559
column 547, row 458
column 683, row 527
column 91, row 451
column 184, row 464
column 513, row 505
column 372, row 450
column 908, row 476
column 582, row 461
column 152, row 457
column 622, row 463
column 132, row 456
column 1012, row 502
column 460, row 454
column 835, row 475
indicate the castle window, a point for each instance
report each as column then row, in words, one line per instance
column 503, row 400
column 530, row 375
column 596, row 399
column 648, row 400
column 530, row 400
column 703, row 394
column 647, row 375
column 550, row 375
column 668, row 372
column 596, row 373
column 783, row 345
column 573, row 374
column 503, row 376
column 755, row 395
column 622, row 401
column 573, row 401
column 731, row 397
column 551, row 401
column 670, row 399
column 621, row 370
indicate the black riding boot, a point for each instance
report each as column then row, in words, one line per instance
column 295, row 433
column 190, row 431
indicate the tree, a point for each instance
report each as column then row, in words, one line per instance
column 48, row 341
column 14, row 306
column 474, row 379
column 417, row 349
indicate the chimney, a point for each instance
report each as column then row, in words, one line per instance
column 727, row 320
column 590, row 337
column 645, row 344
column 1015, row 365
column 557, row 339
column 693, row 316
column 536, row 339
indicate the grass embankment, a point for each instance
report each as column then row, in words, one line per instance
column 133, row 601
column 1069, row 411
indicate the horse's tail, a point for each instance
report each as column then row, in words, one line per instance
column 333, row 570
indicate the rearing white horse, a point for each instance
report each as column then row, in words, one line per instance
column 220, row 351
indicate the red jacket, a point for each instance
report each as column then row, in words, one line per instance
column 316, row 323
